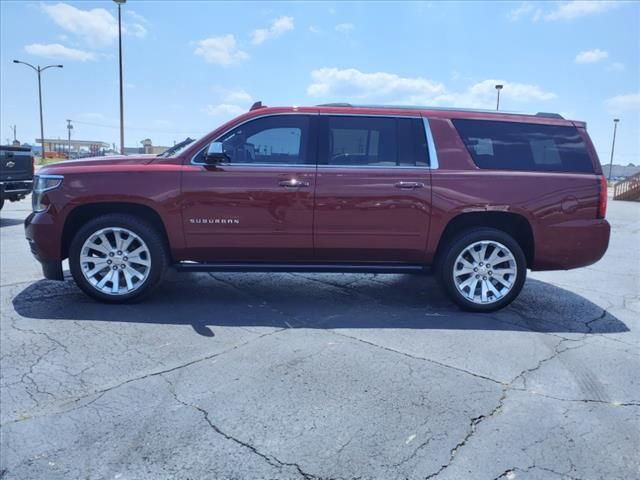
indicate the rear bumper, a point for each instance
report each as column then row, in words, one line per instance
column 15, row 190
column 572, row 244
column 43, row 236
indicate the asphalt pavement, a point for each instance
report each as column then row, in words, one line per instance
column 287, row 376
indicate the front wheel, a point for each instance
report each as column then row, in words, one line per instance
column 483, row 269
column 117, row 258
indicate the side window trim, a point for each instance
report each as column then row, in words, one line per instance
column 316, row 131
column 432, row 160
column 310, row 144
column 431, row 146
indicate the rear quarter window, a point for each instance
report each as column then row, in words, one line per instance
column 524, row 146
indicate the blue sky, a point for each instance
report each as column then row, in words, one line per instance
column 189, row 66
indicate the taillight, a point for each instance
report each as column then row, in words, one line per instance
column 602, row 204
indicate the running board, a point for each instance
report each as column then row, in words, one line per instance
column 301, row 267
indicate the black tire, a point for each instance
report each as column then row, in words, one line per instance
column 159, row 258
column 447, row 263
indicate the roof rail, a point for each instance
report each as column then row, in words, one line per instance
column 339, row 104
column 450, row 109
column 549, row 115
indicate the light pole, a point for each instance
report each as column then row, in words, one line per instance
column 498, row 88
column 613, row 145
column 69, row 128
column 39, row 71
column 120, row 3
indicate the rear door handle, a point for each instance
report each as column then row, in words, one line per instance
column 293, row 183
column 409, row 185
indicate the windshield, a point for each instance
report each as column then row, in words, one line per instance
column 177, row 148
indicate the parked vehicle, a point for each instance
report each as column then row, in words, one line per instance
column 478, row 197
column 16, row 173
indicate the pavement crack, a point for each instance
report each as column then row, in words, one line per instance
column 415, row 357
column 270, row 459
column 100, row 393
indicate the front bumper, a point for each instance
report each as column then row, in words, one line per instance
column 44, row 238
column 571, row 244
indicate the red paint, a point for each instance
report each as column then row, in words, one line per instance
column 344, row 214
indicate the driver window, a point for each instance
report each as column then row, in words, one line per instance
column 279, row 140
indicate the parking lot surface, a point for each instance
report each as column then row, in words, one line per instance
column 321, row 375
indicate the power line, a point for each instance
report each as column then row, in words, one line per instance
column 134, row 128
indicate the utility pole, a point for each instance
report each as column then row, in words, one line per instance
column 39, row 70
column 613, row 145
column 120, row 2
column 498, row 88
column 13, row 127
column 69, row 128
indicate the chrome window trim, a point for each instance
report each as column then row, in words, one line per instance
column 376, row 167
column 431, row 146
column 193, row 162
column 257, row 117
column 274, row 165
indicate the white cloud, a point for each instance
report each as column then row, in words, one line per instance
column 334, row 84
column 232, row 103
column 524, row 10
column 565, row 10
column 591, row 56
column 344, row 27
column 356, row 84
column 483, row 95
column 96, row 26
column 220, row 50
column 314, row 29
column 616, row 67
column 58, row 52
column 236, row 96
column 623, row 103
column 223, row 109
column 278, row 27
column 579, row 8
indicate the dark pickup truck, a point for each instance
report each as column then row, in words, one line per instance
column 16, row 173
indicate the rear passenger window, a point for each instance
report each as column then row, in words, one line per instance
column 373, row 142
column 524, row 146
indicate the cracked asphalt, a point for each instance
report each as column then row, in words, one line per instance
column 289, row 376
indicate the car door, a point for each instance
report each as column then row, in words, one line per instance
column 257, row 205
column 373, row 189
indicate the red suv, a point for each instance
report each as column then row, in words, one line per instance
column 479, row 197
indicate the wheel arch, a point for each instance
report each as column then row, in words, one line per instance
column 514, row 224
column 82, row 213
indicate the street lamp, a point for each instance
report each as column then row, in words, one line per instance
column 69, row 128
column 120, row 3
column 613, row 145
column 498, row 88
column 39, row 71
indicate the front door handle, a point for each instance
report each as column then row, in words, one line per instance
column 293, row 183
column 409, row 185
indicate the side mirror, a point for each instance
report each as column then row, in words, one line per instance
column 215, row 153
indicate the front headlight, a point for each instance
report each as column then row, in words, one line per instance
column 41, row 185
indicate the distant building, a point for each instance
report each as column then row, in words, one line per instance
column 620, row 171
column 146, row 148
column 60, row 148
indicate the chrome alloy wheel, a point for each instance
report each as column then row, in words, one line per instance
column 485, row 272
column 115, row 261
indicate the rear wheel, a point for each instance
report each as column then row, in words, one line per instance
column 483, row 269
column 117, row 258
